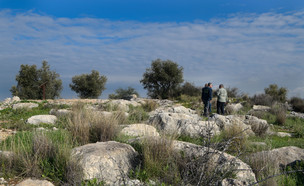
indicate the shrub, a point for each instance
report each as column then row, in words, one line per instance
column 88, row 85
column 262, row 99
column 264, row 166
column 278, row 94
column 297, row 104
column 150, row 105
column 190, row 89
column 137, row 115
column 280, row 113
column 123, row 93
column 158, row 161
column 87, row 126
column 234, row 138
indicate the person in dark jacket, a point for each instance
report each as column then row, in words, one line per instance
column 206, row 98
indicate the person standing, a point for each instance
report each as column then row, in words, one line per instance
column 222, row 98
column 206, row 98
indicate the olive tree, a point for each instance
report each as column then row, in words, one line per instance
column 278, row 94
column 88, row 85
column 33, row 83
column 163, row 79
column 123, row 93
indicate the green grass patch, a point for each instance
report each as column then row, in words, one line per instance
column 40, row 155
column 277, row 142
column 137, row 115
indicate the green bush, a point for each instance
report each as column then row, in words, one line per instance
column 123, row 93
column 297, row 104
column 88, row 85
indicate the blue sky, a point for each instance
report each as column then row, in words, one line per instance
column 247, row 44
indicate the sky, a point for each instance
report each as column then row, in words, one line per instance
column 248, row 44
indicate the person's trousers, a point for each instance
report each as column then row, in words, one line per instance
column 207, row 108
column 221, row 107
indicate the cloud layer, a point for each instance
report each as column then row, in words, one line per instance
column 248, row 51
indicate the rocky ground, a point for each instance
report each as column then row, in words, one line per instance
column 111, row 161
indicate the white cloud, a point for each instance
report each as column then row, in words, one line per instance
column 247, row 51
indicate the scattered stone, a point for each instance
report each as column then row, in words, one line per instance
column 108, row 161
column 284, row 134
column 38, row 119
column 31, row 182
column 296, row 114
column 24, row 106
column 261, row 108
column 60, row 112
column 138, row 130
column 258, row 143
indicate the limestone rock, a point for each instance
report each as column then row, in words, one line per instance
column 261, row 108
column 283, row 156
column 138, row 130
column 283, row 134
column 233, row 108
column 8, row 102
column 35, row 120
column 31, row 182
column 249, row 124
column 180, row 120
column 60, row 112
column 108, row 161
column 224, row 161
column 25, row 105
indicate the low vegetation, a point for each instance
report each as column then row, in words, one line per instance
column 47, row 154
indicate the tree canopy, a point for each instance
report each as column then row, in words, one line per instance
column 89, row 85
column 30, row 82
column 278, row 94
column 123, row 93
column 163, row 79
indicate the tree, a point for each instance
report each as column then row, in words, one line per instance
column 30, row 82
column 123, row 93
column 88, row 85
column 190, row 89
column 278, row 94
column 163, row 79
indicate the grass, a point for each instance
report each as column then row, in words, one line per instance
column 40, row 155
column 158, row 161
column 89, row 127
column 277, row 142
column 47, row 154
column 15, row 119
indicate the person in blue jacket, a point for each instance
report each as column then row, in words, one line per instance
column 206, row 98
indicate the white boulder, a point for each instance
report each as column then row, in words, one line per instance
column 138, row 130
column 38, row 119
column 107, row 161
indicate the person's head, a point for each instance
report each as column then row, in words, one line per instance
column 206, row 85
column 221, row 86
column 210, row 85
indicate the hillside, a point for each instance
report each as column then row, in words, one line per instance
column 148, row 142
